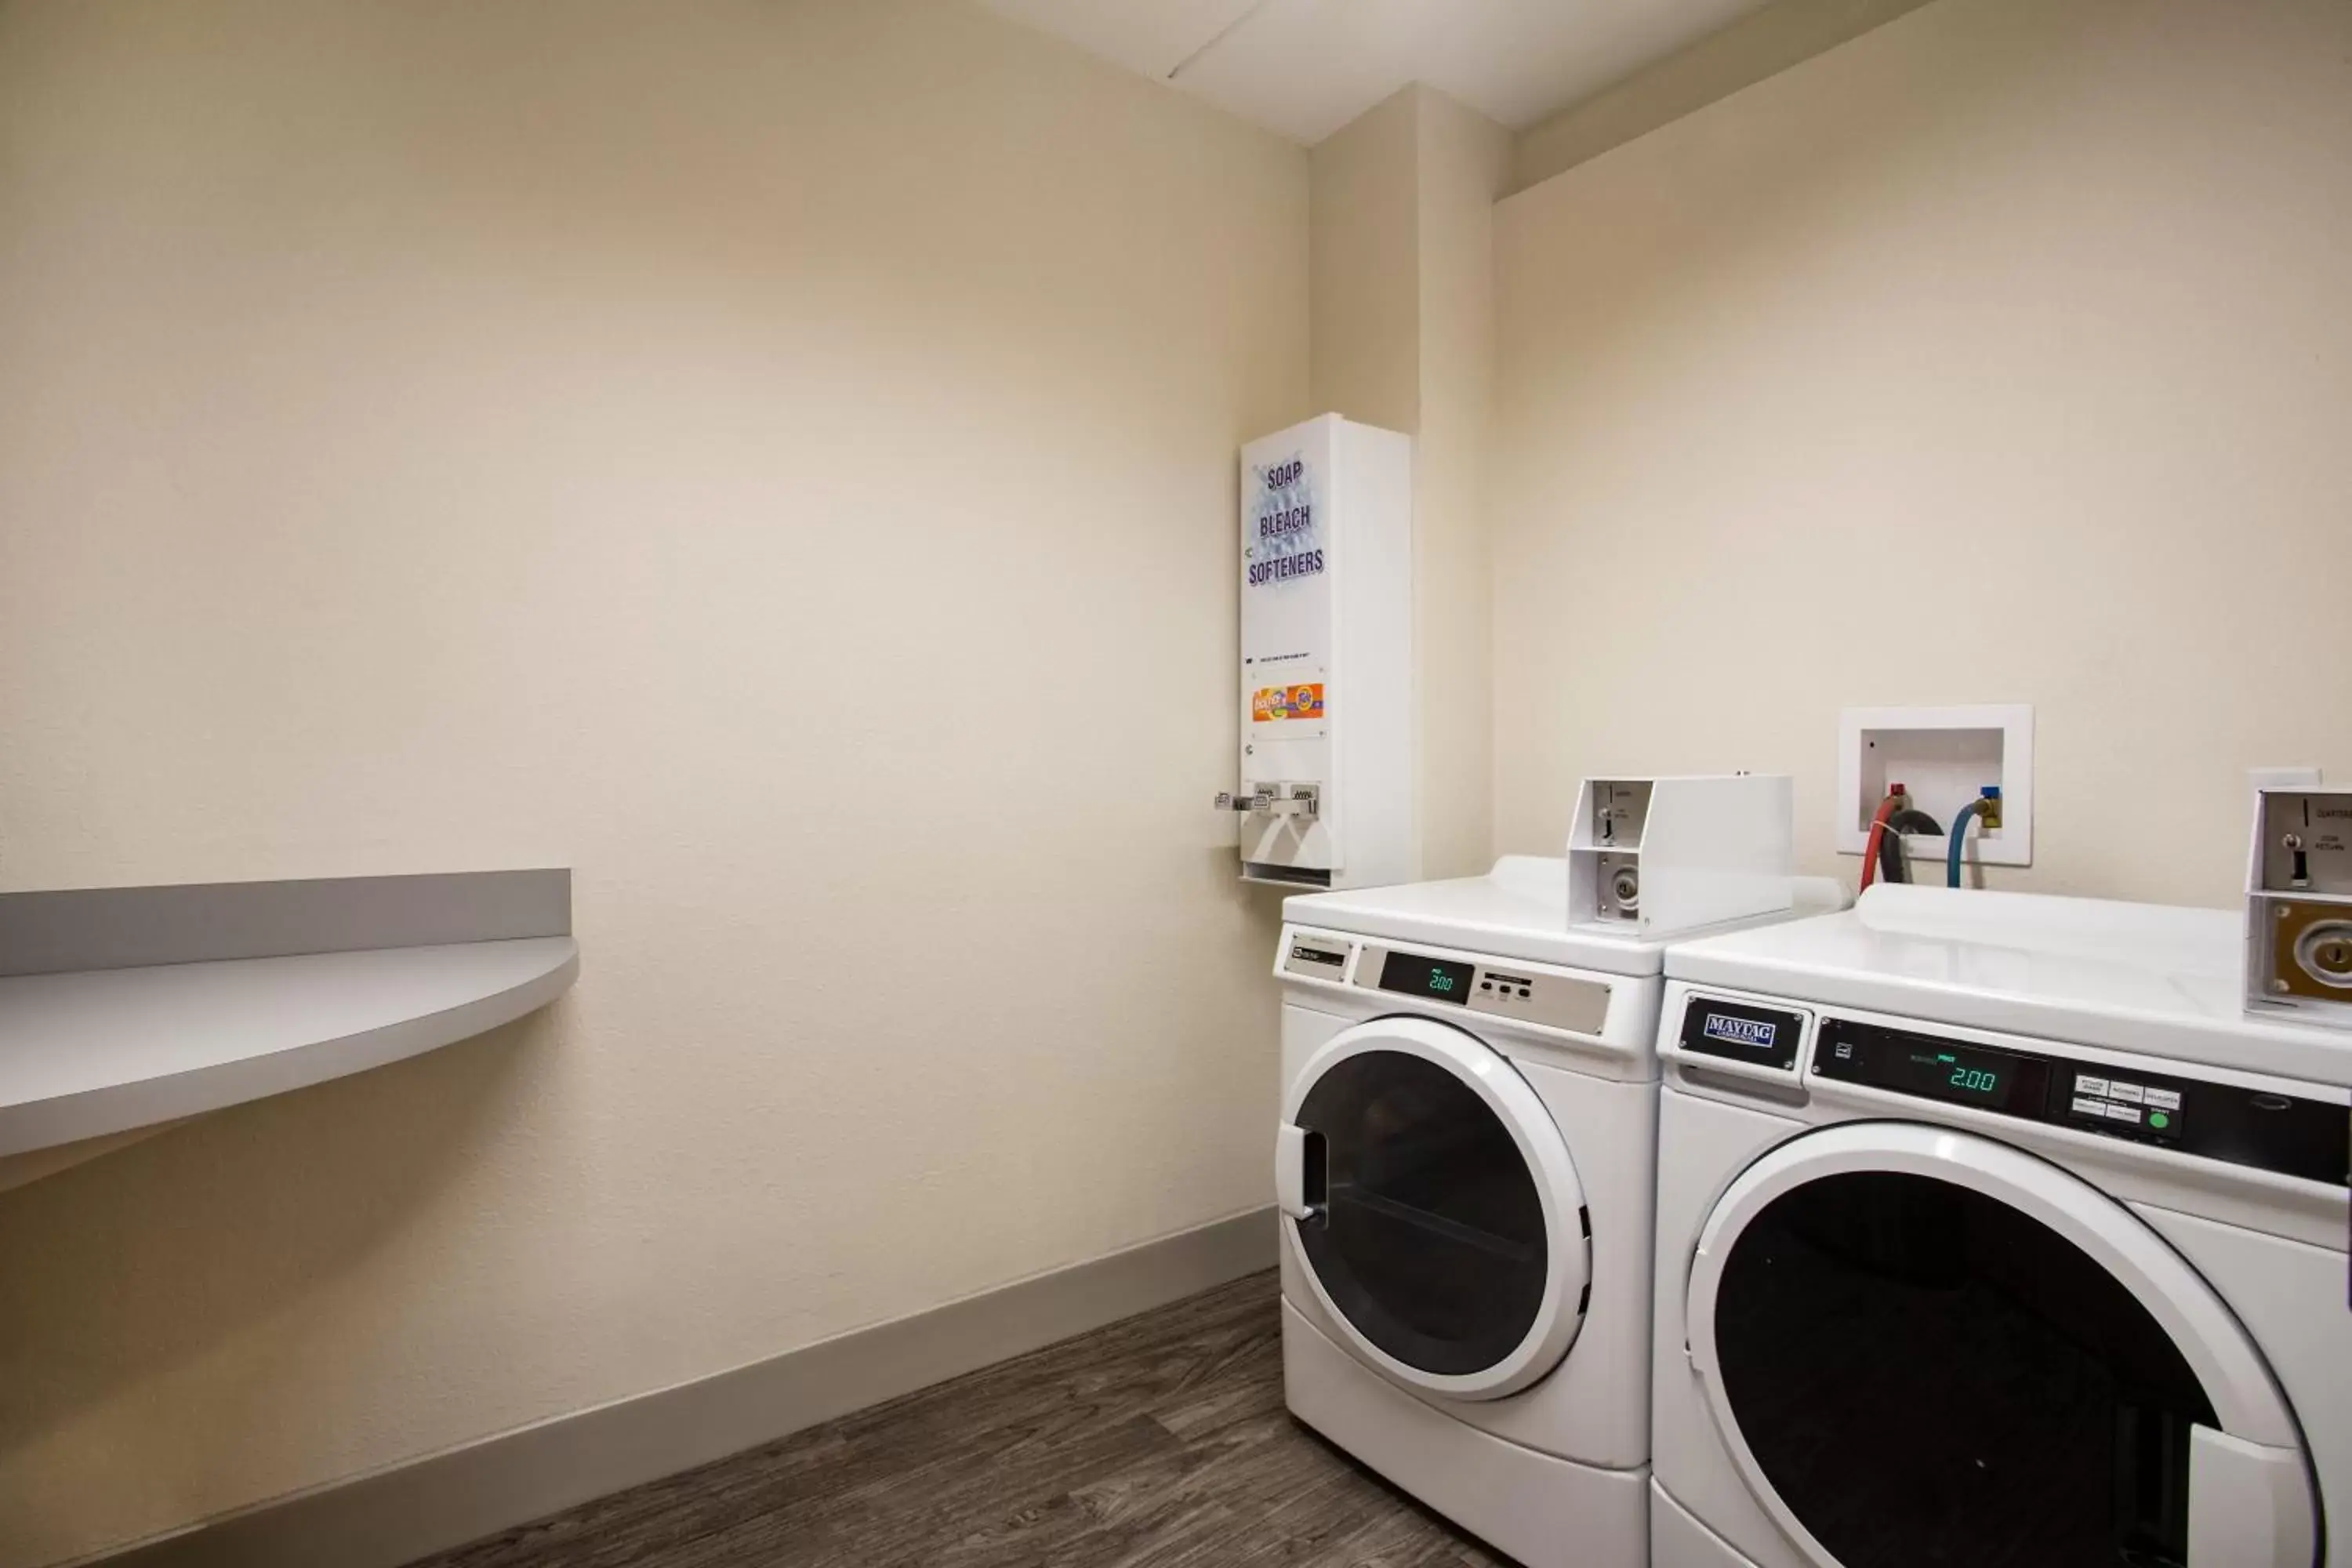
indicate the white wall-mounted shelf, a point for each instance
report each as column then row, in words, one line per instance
column 106, row 1050
column 95, row 1051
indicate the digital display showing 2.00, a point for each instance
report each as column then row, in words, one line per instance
column 1966, row 1078
column 1936, row 1068
column 1441, row 978
column 1972, row 1077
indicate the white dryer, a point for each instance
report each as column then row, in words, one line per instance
column 1465, row 1160
column 1991, row 1231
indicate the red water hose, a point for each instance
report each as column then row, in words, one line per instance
column 1886, row 808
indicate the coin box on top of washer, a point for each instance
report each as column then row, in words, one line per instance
column 2299, row 906
column 1649, row 856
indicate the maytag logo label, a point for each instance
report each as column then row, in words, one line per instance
column 1740, row 1031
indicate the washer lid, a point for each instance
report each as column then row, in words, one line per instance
column 1517, row 909
column 1432, row 1205
column 2133, row 977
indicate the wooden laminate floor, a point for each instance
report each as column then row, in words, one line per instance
column 1158, row 1441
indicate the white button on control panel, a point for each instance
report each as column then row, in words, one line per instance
column 2090, row 1108
column 2123, row 1113
column 2086, row 1084
column 2131, row 1094
column 2164, row 1099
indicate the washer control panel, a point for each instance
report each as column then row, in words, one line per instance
column 1500, row 988
column 2311, row 1139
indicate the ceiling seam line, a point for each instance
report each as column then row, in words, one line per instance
column 1222, row 34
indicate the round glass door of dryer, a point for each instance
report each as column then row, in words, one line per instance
column 1927, row 1349
column 1445, row 1235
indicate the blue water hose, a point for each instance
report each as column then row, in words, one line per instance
column 1960, row 837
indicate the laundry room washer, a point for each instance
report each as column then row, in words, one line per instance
column 1992, row 1230
column 1464, row 1163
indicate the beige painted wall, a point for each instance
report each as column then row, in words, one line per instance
column 776, row 458
column 1404, row 337
column 1760, row 44
column 1465, row 159
column 2033, row 309
column 1365, row 303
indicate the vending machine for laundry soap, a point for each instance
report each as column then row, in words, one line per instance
column 1327, row 795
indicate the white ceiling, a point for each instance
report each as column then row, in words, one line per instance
column 1306, row 67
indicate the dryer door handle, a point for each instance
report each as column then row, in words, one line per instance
column 1299, row 1172
column 2248, row 1505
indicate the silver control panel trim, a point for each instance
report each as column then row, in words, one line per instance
column 1519, row 993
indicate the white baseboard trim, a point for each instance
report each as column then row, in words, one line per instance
column 389, row 1517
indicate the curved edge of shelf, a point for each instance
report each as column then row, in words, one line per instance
column 550, row 966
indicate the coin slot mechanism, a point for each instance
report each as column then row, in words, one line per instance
column 2299, row 904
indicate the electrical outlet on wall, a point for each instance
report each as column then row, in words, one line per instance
column 1945, row 757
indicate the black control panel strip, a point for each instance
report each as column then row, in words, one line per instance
column 1438, row 979
column 2311, row 1139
